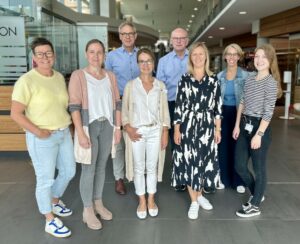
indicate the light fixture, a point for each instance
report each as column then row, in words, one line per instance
column 188, row 25
column 190, row 21
column 196, row 9
column 193, row 16
column 199, row 0
column 210, row 37
column 242, row 12
column 221, row 28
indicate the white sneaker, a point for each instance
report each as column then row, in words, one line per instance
column 204, row 203
column 240, row 189
column 57, row 228
column 60, row 209
column 193, row 210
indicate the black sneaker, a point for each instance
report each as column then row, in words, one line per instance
column 209, row 190
column 248, row 212
column 180, row 188
column 247, row 204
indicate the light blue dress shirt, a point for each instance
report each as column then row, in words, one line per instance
column 170, row 69
column 123, row 65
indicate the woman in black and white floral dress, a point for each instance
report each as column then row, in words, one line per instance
column 197, row 129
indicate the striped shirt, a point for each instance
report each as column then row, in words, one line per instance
column 260, row 97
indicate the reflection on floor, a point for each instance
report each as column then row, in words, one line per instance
column 279, row 223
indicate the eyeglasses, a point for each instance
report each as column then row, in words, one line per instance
column 179, row 39
column 41, row 55
column 129, row 34
column 147, row 62
column 232, row 55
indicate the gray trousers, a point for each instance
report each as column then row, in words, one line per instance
column 119, row 160
column 93, row 175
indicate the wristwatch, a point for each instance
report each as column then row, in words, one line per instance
column 260, row 133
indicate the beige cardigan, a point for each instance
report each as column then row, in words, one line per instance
column 127, row 118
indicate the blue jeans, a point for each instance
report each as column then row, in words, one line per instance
column 258, row 156
column 56, row 151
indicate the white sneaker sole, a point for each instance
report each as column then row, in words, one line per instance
column 59, row 235
column 248, row 215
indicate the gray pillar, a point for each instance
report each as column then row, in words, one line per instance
column 95, row 7
column 108, row 8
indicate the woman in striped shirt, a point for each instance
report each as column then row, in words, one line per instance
column 252, row 130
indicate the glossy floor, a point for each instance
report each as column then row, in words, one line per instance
column 20, row 222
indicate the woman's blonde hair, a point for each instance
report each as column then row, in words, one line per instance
column 236, row 47
column 270, row 54
column 190, row 67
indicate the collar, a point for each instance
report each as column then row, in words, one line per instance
column 239, row 73
column 186, row 53
column 134, row 50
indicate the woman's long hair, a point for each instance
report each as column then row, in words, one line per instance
column 190, row 66
column 274, row 70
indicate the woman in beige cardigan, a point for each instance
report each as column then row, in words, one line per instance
column 146, row 121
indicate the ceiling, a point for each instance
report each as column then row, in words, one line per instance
column 165, row 15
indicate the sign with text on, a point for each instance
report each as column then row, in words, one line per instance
column 13, row 61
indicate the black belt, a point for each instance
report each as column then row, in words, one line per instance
column 252, row 118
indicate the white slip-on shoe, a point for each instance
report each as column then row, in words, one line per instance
column 193, row 210
column 153, row 212
column 204, row 203
column 56, row 228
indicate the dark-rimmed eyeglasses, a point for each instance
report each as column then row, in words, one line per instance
column 147, row 62
column 127, row 34
column 41, row 55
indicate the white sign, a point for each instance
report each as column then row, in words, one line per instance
column 12, row 31
column 13, row 61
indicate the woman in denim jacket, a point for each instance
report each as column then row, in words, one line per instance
column 232, row 80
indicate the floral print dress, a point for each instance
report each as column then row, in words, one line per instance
column 197, row 105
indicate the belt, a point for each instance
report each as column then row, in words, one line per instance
column 149, row 125
column 251, row 117
column 60, row 129
column 101, row 119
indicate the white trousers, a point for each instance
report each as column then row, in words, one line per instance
column 145, row 159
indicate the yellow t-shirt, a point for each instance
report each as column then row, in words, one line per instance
column 45, row 98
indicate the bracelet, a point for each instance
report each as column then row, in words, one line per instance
column 118, row 127
column 218, row 129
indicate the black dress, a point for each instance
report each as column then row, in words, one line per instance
column 198, row 104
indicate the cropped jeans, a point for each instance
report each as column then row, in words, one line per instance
column 145, row 160
column 54, row 152
column 257, row 182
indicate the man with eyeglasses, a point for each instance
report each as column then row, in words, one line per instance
column 170, row 69
column 123, row 63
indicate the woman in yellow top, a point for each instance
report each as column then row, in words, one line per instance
column 42, row 94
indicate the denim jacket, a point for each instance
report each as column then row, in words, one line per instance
column 239, row 83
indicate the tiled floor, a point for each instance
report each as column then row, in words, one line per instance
column 20, row 222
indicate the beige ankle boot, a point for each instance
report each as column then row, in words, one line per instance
column 89, row 217
column 102, row 211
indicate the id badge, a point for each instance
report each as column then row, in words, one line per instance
column 249, row 127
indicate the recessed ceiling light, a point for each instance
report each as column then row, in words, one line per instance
column 187, row 29
column 195, row 9
column 242, row 12
column 210, row 37
column 188, row 25
column 159, row 30
column 221, row 28
column 190, row 21
column 199, row 0
column 193, row 16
